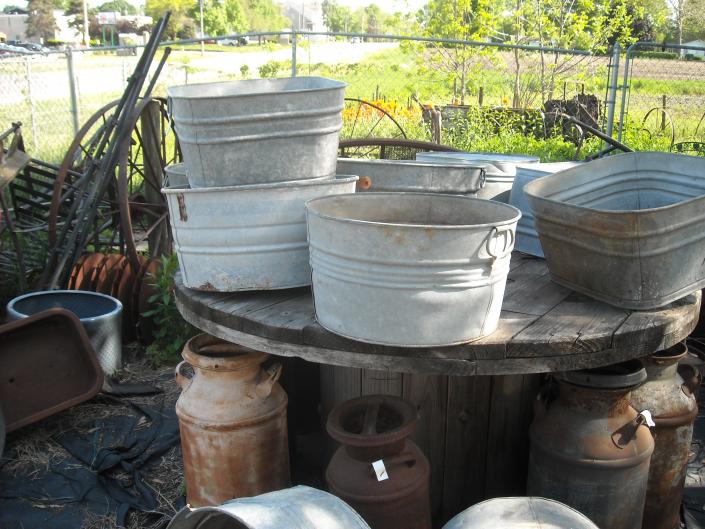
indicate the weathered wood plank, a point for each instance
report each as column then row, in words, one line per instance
column 338, row 384
column 375, row 382
column 536, row 295
column 283, row 321
column 430, row 396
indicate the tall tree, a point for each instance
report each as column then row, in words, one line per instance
column 121, row 6
column 75, row 11
column 41, row 22
column 237, row 21
column 180, row 18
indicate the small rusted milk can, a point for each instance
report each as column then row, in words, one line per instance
column 590, row 448
column 390, row 495
column 232, row 418
column 672, row 405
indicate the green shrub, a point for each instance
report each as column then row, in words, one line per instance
column 692, row 57
column 667, row 55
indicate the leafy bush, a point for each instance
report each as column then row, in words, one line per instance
column 172, row 331
column 692, row 57
column 667, row 55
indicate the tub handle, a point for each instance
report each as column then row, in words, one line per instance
column 181, row 379
column 494, row 235
column 264, row 388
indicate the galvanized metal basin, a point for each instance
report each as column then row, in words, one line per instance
column 520, row 513
column 100, row 315
column 246, row 237
column 176, row 175
column 410, row 175
column 500, row 169
column 527, row 238
column 409, row 269
column 295, row 508
column 628, row 229
column 258, row 131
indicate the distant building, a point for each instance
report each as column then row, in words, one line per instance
column 697, row 44
column 305, row 16
column 15, row 28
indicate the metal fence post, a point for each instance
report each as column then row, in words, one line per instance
column 30, row 96
column 612, row 89
column 293, row 54
column 72, row 91
column 625, row 89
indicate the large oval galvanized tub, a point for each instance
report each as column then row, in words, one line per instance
column 258, row 131
column 500, row 169
column 628, row 229
column 527, row 238
column 246, row 237
column 409, row 269
column 413, row 176
column 295, row 508
column 520, row 513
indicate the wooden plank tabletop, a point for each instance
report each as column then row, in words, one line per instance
column 544, row 327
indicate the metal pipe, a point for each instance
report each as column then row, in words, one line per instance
column 72, row 90
column 612, row 89
column 293, row 54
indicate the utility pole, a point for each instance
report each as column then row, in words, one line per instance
column 203, row 50
column 86, row 24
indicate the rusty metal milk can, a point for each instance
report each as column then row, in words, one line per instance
column 673, row 408
column 393, row 494
column 590, row 448
column 232, row 418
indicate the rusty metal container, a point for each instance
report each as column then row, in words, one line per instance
column 590, row 449
column 372, row 429
column 232, row 418
column 673, row 408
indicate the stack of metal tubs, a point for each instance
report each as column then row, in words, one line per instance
column 254, row 152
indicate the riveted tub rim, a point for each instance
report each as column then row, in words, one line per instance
column 310, row 209
column 326, row 84
column 13, row 306
column 270, row 186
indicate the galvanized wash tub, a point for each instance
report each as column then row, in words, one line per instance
column 258, row 131
column 176, row 175
column 100, row 315
column 409, row 269
column 520, row 513
column 295, row 508
column 409, row 175
column 628, row 230
column 527, row 238
column 246, row 237
column 500, row 169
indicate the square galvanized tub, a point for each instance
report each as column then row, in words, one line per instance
column 253, row 237
column 527, row 238
column 628, row 229
column 414, row 176
column 259, row 130
column 409, row 269
column 500, row 169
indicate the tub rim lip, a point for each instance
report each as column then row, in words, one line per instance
column 269, row 186
column 16, row 313
column 331, row 84
column 371, row 196
column 411, row 163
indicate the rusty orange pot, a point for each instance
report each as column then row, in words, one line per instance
column 232, row 418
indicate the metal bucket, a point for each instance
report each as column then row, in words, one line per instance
column 628, row 230
column 527, row 238
column 176, row 175
column 295, row 508
column 99, row 314
column 500, row 169
column 409, row 269
column 408, row 175
column 520, row 513
column 258, row 131
column 246, row 237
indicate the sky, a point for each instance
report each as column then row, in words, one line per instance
column 390, row 6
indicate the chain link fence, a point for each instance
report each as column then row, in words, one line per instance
column 393, row 83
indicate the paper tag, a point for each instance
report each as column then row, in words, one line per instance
column 380, row 470
column 646, row 414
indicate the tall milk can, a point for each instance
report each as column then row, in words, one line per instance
column 673, row 407
column 590, row 449
column 378, row 471
column 232, row 418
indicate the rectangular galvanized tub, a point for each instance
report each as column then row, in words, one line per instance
column 259, row 130
column 414, row 176
column 527, row 238
column 253, row 237
column 627, row 229
column 500, row 169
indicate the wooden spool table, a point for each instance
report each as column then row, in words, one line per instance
column 473, row 429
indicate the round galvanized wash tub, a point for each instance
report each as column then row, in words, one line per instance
column 409, row 269
column 176, row 175
column 246, row 237
column 259, row 130
column 295, row 508
column 410, row 175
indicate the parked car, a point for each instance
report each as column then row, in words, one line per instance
column 33, row 47
column 6, row 49
column 243, row 40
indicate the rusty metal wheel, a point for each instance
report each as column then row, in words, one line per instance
column 658, row 124
column 365, row 120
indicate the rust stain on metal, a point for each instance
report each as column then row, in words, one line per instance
column 371, row 428
column 232, row 419
column 182, row 208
